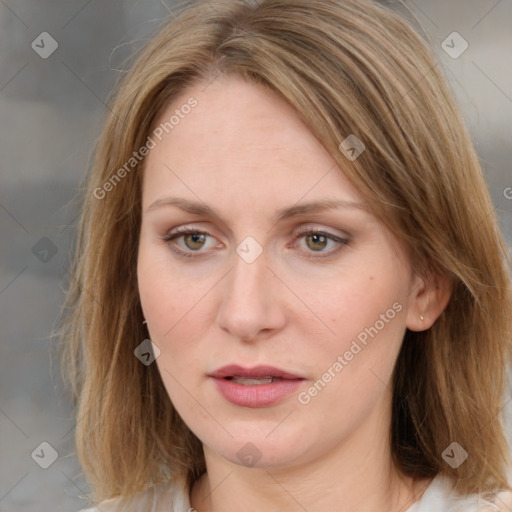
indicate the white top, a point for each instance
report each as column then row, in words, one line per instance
column 438, row 497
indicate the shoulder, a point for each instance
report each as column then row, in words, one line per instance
column 168, row 497
column 503, row 501
column 442, row 497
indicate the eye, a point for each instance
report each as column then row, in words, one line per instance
column 317, row 241
column 188, row 241
column 194, row 241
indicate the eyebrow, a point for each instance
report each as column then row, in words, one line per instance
column 198, row 208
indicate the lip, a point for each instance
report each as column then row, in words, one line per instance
column 254, row 372
column 257, row 395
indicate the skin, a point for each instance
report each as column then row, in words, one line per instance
column 246, row 154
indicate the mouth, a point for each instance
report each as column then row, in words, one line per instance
column 244, row 381
column 260, row 386
column 261, row 374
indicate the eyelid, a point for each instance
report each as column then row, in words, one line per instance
column 313, row 228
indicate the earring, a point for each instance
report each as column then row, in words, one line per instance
column 145, row 322
column 421, row 318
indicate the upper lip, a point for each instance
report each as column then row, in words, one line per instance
column 234, row 370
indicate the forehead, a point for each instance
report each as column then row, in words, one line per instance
column 244, row 138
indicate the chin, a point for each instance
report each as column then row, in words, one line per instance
column 262, row 447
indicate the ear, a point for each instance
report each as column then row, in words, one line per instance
column 429, row 297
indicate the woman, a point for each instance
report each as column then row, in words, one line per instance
column 290, row 290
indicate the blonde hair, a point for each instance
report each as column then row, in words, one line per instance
column 347, row 67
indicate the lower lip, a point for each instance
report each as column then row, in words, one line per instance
column 258, row 395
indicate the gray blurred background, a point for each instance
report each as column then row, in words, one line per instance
column 51, row 109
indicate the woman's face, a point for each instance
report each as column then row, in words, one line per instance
column 280, row 305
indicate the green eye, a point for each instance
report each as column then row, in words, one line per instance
column 322, row 243
column 192, row 243
column 188, row 242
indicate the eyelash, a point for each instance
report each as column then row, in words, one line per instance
column 179, row 232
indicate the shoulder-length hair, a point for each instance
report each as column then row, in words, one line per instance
column 348, row 68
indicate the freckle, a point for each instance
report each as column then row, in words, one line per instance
column 371, row 278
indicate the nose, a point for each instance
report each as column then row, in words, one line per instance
column 251, row 307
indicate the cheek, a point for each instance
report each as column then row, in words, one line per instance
column 350, row 303
column 177, row 313
column 159, row 304
column 353, row 367
column 170, row 324
column 364, row 310
column 168, row 299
